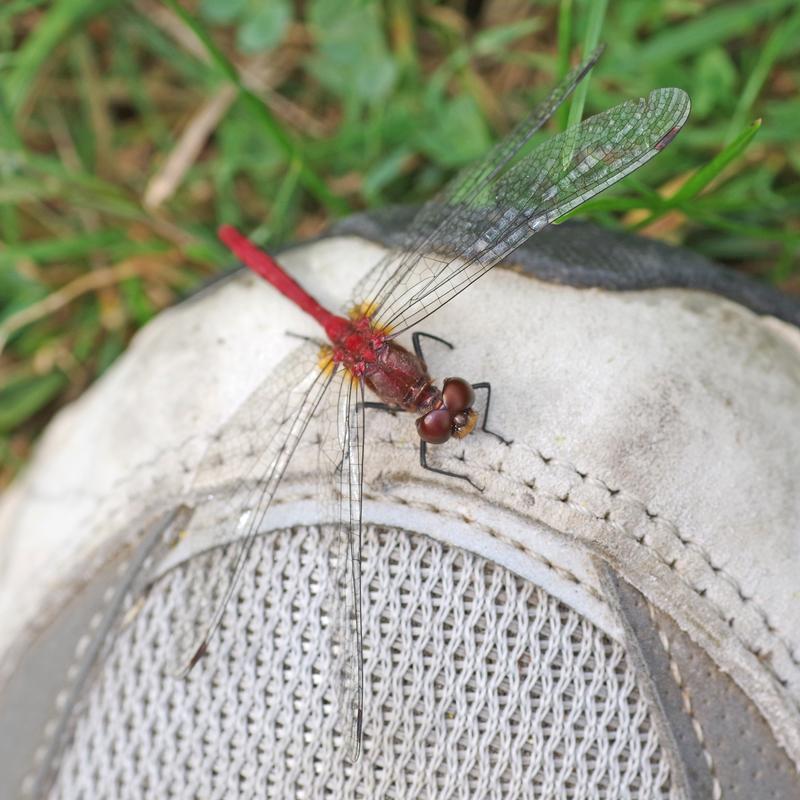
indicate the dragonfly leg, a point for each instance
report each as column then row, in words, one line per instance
column 488, row 386
column 379, row 406
column 304, row 338
column 423, row 460
column 417, row 335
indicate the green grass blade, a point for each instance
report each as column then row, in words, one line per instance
column 564, row 46
column 738, row 227
column 601, row 205
column 262, row 113
column 9, row 138
column 63, row 17
column 10, row 142
column 784, row 34
column 710, row 171
column 715, row 25
column 597, row 13
column 21, row 399
column 61, row 249
column 704, row 176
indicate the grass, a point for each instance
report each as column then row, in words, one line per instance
column 129, row 130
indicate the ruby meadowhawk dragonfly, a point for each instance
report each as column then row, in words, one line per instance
column 482, row 215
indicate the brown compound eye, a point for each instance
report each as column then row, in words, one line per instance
column 435, row 426
column 457, row 395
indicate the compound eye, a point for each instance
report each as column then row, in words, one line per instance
column 457, row 395
column 434, row 427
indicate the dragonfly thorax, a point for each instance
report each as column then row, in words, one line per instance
column 355, row 343
column 401, row 380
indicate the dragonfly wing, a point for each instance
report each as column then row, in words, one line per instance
column 543, row 185
column 347, row 562
column 235, row 483
column 434, row 217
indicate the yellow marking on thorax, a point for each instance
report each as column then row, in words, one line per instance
column 367, row 310
column 364, row 309
column 327, row 365
column 325, row 359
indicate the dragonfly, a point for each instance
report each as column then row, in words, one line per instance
column 482, row 215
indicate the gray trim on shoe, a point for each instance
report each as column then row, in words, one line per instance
column 725, row 747
column 583, row 254
column 39, row 701
column 689, row 770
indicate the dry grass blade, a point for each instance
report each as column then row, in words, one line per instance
column 90, row 282
column 189, row 146
column 259, row 74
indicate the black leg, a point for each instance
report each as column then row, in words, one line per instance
column 486, row 385
column 417, row 335
column 379, row 406
column 423, row 460
column 311, row 339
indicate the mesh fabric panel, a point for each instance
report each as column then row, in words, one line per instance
column 478, row 685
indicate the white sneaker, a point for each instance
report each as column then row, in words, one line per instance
column 616, row 615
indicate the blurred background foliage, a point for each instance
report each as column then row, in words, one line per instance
column 130, row 128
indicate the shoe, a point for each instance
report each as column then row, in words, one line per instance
column 614, row 614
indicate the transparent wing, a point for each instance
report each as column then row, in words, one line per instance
column 236, row 482
column 543, row 185
column 348, row 562
column 434, row 216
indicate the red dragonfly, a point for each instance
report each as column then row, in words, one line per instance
column 486, row 212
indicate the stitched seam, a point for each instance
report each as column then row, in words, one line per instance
column 562, row 572
column 686, row 698
column 627, row 499
column 654, row 519
column 631, row 501
column 494, row 533
column 179, row 451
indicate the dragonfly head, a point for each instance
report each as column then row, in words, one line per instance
column 454, row 416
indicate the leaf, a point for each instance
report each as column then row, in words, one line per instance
column 351, row 58
column 386, row 170
column 110, row 349
column 65, row 247
column 223, row 12
column 17, row 7
column 243, row 145
column 783, row 35
column 494, row 40
column 596, row 14
column 136, row 300
column 714, row 78
column 265, row 28
column 457, row 133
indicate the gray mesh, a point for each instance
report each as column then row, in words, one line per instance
column 478, row 685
